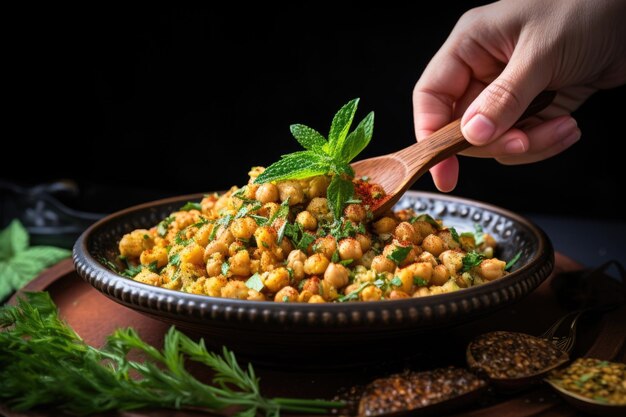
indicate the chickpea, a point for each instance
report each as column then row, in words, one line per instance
column 148, row 277
column 215, row 247
column 225, row 236
column 243, row 228
column 193, row 253
column 240, row 263
column 440, row 275
column 453, row 260
column 318, row 186
column 214, row 264
column 367, row 259
column 290, row 190
column 235, row 247
column 156, row 254
column 326, row 246
column 327, row 291
column 255, row 172
column 405, row 232
column 463, row 280
column 427, row 257
column 381, row 263
column 286, row 295
column 433, row 244
column 306, row 220
column 265, row 237
column 188, row 273
column 336, row 275
column 296, row 255
column 318, row 207
column 135, row 242
column 305, row 296
column 276, row 279
column 410, row 257
column 316, row 264
column 295, row 261
column 384, row 225
column 491, row 269
column 355, row 212
column 255, row 295
column 350, row 248
column 371, row 293
column 490, row 241
column 208, row 202
column 235, row 289
column 213, row 286
column 421, row 292
column 365, row 242
column 398, row 295
column 267, row 261
column 448, row 240
column 316, row 299
column 423, row 228
column 467, row 242
column 312, row 285
column 267, row 193
column 269, row 209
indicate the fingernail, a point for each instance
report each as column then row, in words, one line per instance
column 515, row 146
column 571, row 139
column 479, row 129
column 566, row 128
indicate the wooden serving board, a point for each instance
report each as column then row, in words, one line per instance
column 94, row 316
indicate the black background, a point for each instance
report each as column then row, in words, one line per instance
column 136, row 105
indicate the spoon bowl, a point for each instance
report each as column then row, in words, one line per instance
column 588, row 405
column 397, row 171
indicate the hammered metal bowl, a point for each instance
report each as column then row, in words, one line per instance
column 289, row 332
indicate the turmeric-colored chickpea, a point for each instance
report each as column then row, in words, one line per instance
column 355, row 212
column 423, row 228
column 325, row 245
column 316, row 299
column 192, row 253
column 235, row 247
column 265, row 237
column 398, row 295
column 269, row 210
column 135, row 242
column 336, row 275
column 423, row 270
column 365, row 242
column 367, row 258
column 148, row 277
column 243, row 228
column 316, row 264
column 422, row 292
column 381, row 263
column 371, row 293
column 286, row 295
column 267, row 193
column 276, row 279
column 490, row 241
column 304, row 296
column 448, row 240
column 213, row 285
column 453, row 260
column 350, row 248
column 318, row 186
column 239, row 263
column 491, row 269
column 215, row 247
column 254, row 295
column 440, row 275
column 290, row 190
column 156, row 254
column 225, row 236
column 235, row 289
column 405, row 232
column 306, row 220
column 433, row 244
column 318, row 207
column 312, row 285
column 384, row 225
column 214, row 264
column 427, row 257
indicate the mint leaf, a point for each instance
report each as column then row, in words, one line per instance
column 339, row 191
column 399, row 254
column 454, row 233
column 420, row 282
column 13, row 240
column 9, row 279
column 189, row 205
column 425, row 218
column 340, row 126
column 358, row 139
column 255, row 283
column 472, row 260
column 309, row 138
column 513, row 261
column 295, row 166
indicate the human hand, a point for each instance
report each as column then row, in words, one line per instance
column 499, row 57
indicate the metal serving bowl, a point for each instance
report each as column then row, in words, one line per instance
column 285, row 332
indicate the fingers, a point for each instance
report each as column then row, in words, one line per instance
column 445, row 174
column 502, row 102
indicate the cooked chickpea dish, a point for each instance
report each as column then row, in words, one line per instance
column 281, row 242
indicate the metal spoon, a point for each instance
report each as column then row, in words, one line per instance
column 397, row 171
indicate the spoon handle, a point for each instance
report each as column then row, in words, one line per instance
column 449, row 140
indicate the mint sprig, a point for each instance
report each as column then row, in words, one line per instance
column 323, row 156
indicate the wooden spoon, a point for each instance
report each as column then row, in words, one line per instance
column 397, row 171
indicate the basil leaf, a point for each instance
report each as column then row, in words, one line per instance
column 471, row 260
column 309, row 138
column 295, row 166
column 513, row 261
column 189, row 205
column 255, row 283
column 340, row 126
column 399, row 254
column 339, row 191
column 358, row 139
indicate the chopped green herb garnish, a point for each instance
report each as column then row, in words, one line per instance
column 354, row 295
column 365, row 178
column 247, row 208
column 146, row 237
column 396, row 282
column 164, row 225
column 335, row 258
column 354, row 201
column 420, row 282
column 255, row 283
column 222, row 222
column 513, row 261
column 454, row 234
column 175, row 259
column 191, row 206
column 346, row 262
column 281, row 232
column 285, row 299
column 260, row 220
column 472, row 260
column 225, row 268
column 426, row 218
column 479, row 234
column 132, row 271
column 298, row 236
column 399, row 254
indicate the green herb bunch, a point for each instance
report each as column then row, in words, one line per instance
column 326, row 156
column 43, row 362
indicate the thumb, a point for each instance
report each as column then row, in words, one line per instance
column 498, row 107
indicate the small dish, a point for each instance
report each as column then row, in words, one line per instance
column 323, row 333
column 588, row 405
